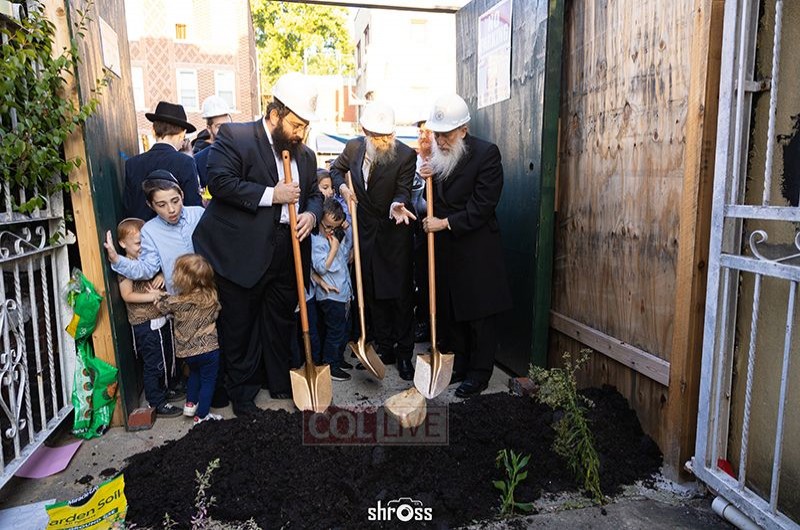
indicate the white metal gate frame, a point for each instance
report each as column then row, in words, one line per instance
column 37, row 357
column 727, row 260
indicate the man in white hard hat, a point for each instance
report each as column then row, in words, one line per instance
column 245, row 235
column 382, row 171
column 471, row 283
column 215, row 112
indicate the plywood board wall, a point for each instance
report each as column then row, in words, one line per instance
column 624, row 104
column 638, row 118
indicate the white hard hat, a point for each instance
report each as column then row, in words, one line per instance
column 297, row 92
column 448, row 113
column 378, row 118
column 214, row 106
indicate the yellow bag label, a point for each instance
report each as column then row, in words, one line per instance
column 96, row 509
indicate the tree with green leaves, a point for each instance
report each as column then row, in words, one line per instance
column 306, row 38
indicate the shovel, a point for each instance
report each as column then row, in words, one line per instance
column 433, row 371
column 365, row 352
column 311, row 384
column 408, row 407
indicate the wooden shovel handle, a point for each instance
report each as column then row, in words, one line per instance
column 431, row 265
column 351, row 205
column 298, row 260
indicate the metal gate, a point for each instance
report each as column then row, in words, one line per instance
column 36, row 355
column 755, row 249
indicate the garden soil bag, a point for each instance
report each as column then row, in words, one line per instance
column 96, row 509
column 94, row 388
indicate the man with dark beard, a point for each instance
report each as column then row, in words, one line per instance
column 471, row 283
column 382, row 170
column 244, row 233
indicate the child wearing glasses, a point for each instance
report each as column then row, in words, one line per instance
column 329, row 256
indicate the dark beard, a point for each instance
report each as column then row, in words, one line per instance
column 281, row 142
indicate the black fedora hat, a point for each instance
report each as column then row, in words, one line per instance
column 171, row 113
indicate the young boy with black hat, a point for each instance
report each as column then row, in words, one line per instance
column 170, row 128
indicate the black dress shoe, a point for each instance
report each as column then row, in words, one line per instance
column 281, row 395
column 245, row 409
column 457, row 377
column 406, row 369
column 470, row 388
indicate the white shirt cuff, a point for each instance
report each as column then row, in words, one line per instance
column 266, row 199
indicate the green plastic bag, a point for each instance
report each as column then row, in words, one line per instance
column 94, row 389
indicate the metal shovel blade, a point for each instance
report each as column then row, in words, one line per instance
column 407, row 407
column 312, row 389
column 368, row 357
column 433, row 372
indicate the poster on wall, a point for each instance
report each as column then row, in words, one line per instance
column 494, row 54
column 110, row 46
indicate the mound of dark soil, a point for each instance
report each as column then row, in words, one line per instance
column 267, row 473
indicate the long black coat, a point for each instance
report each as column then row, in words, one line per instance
column 386, row 248
column 160, row 156
column 235, row 234
column 470, row 269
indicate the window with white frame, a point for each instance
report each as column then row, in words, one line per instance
column 225, row 86
column 137, row 80
column 187, row 89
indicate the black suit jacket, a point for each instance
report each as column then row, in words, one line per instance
column 160, row 156
column 235, row 234
column 386, row 248
column 470, row 267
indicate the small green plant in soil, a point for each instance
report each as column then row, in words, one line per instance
column 203, row 503
column 574, row 441
column 514, row 465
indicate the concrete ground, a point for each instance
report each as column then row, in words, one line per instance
column 667, row 506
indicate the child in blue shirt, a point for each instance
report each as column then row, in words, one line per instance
column 329, row 255
column 163, row 239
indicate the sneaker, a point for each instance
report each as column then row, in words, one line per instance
column 337, row 374
column 175, row 395
column 168, row 410
column 209, row 416
column 189, row 409
column 344, row 365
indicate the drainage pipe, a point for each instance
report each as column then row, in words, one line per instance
column 732, row 514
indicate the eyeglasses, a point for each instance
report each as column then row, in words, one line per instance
column 296, row 127
column 328, row 228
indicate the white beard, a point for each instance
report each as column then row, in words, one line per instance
column 381, row 156
column 444, row 163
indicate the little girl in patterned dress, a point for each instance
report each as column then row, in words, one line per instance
column 195, row 307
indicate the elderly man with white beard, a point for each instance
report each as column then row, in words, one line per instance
column 471, row 283
column 382, row 171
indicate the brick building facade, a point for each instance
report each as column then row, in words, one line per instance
column 186, row 50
